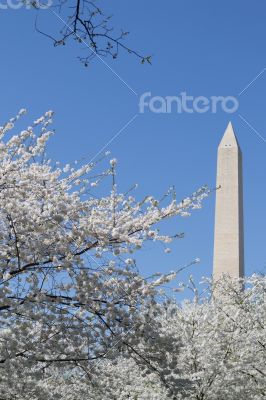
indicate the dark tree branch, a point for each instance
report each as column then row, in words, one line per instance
column 88, row 25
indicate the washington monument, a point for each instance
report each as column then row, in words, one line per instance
column 228, row 234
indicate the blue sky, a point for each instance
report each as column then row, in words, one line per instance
column 204, row 48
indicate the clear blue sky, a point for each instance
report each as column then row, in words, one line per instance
column 201, row 47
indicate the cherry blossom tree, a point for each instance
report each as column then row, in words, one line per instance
column 211, row 347
column 70, row 292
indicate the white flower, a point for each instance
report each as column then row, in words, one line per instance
column 48, row 114
column 129, row 261
column 9, row 126
column 39, row 121
column 113, row 162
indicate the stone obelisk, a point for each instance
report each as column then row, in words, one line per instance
column 228, row 235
